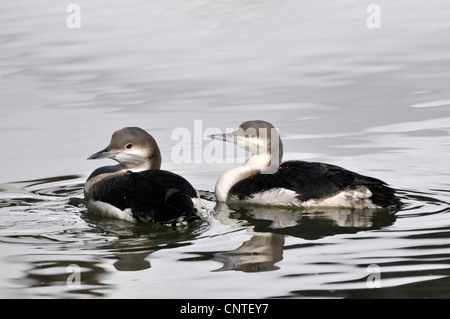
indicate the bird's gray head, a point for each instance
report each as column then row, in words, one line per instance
column 133, row 148
column 257, row 137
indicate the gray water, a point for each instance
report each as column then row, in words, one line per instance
column 373, row 100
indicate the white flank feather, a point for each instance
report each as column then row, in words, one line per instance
column 110, row 211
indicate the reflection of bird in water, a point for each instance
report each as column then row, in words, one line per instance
column 134, row 243
column 260, row 253
column 310, row 223
column 132, row 261
column 269, row 225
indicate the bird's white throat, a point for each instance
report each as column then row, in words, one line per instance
column 255, row 164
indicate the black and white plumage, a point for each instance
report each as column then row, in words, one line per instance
column 136, row 189
column 263, row 180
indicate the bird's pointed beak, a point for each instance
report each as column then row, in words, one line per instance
column 223, row 137
column 103, row 154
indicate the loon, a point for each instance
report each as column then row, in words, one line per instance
column 263, row 179
column 136, row 189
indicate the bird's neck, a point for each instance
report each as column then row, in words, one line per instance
column 99, row 174
column 254, row 165
column 137, row 162
column 106, row 171
column 137, row 167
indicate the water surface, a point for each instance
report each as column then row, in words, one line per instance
column 375, row 101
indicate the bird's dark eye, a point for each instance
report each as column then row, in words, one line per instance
column 129, row 146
